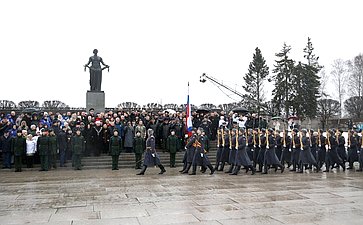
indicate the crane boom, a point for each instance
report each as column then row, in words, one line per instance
column 205, row 77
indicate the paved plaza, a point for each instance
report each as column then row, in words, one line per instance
column 120, row 197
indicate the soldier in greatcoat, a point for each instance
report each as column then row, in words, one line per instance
column 18, row 147
column 43, row 149
column 78, row 147
column 115, row 146
column 151, row 157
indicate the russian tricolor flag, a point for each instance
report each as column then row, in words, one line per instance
column 189, row 116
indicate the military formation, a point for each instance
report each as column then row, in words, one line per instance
column 248, row 146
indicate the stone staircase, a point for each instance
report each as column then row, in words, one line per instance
column 127, row 160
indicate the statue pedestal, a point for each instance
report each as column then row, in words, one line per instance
column 96, row 100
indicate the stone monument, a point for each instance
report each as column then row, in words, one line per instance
column 95, row 98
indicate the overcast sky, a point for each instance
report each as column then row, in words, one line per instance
column 155, row 47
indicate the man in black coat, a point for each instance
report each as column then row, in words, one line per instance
column 5, row 147
column 97, row 138
column 62, row 144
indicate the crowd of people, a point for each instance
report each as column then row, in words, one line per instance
column 242, row 141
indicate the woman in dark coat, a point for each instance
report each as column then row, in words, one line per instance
column 129, row 137
column 151, row 157
column 242, row 158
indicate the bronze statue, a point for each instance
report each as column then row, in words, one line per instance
column 95, row 71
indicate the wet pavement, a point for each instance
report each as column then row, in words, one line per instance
column 120, row 197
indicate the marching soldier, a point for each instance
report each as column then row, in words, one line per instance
column 242, row 158
column 78, row 147
column 151, row 157
column 233, row 140
column 278, row 149
column 200, row 158
column 18, row 147
column 43, row 149
column 341, row 146
column 270, row 158
column 352, row 148
column 139, row 148
column 332, row 156
column 222, row 141
column 295, row 142
column 256, row 148
column 321, row 147
column 262, row 144
column 360, row 154
column 115, row 146
column 305, row 157
column 189, row 153
column 286, row 149
column 250, row 140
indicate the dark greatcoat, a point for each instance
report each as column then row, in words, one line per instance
column 353, row 149
column 242, row 158
column 305, row 153
column 151, row 157
column 270, row 154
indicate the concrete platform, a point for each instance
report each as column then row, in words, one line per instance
column 120, row 197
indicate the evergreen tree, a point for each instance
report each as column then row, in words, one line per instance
column 282, row 93
column 257, row 73
column 310, row 82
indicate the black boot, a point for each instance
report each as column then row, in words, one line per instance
column 253, row 170
column 350, row 167
column 162, row 169
column 222, row 167
column 230, row 169
column 142, row 172
column 293, row 167
column 301, row 168
column 236, row 170
column 184, row 167
column 265, row 169
column 212, row 170
column 187, row 168
column 259, row 168
column 194, row 172
column 247, row 169
column 203, row 169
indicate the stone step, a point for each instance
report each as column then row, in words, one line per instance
column 127, row 160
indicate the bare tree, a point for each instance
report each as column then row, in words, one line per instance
column 327, row 108
column 153, row 106
column 208, row 106
column 339, row 77
column 171, row 106
column 54, row 104
column 28, row 104
column 355, row 80
column 6, row 104
column 128, row 105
